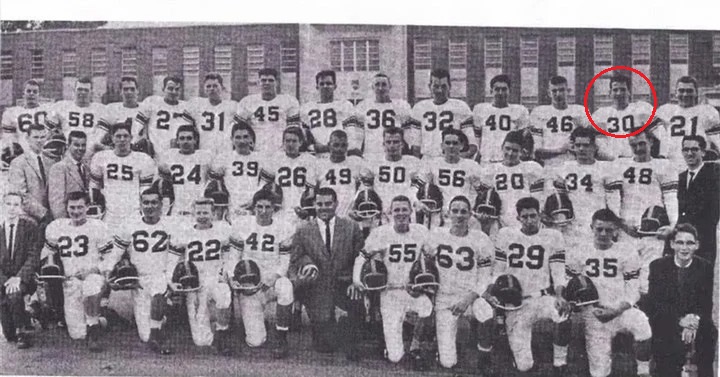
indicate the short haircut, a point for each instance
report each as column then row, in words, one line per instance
column 187, row 128
column 242, row 125
column 176, row 79
column 558, row 80
column 452, row 131
column 214, row 76
column 325, row 73
column 687, row 80
column 621, row 79
column 401, row 199
column 75, row 134
column 263, row 194
column 587, row 132
column 121, row 126
column 268, row 72
column 297, row 131
column 131, row 79
column 84, row 80
column 326, row 191
column 203, row 201
column 605, row 214
column 78, row 195
column 500, row 78
column 152, row 190
column 684, row 228
column 460, row 198
column 382, row 75
column 440, row 73
column 527, row 202
column 393, row 131
column 36, row 127
column 339, row 134
column 701, row 140
column 14, row 193
column 515, row 136
column 32, row 82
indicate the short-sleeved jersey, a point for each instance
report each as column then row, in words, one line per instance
column 403, row 249
column 429, row 120
column 678, row 121
column 68, row 116
column 163, row 119
column 585, row 185
column 17, row 120
column 189, row 174
column 214, row 123
column 492, row 124
column 206, row 248
column 293, row 175
column 263, row 244
column 642, row 185
column 465, row 263
column 148, row 245
column 614, row 271
column 116, row 112
column 121, row 179
column 269, row 119
column 453, row 179
column 513, row 183
column 341, row 177
column 532, row 259
column 240, row 174
column 551, row 127
column 374, row 117
column 620, row 122
column 393, row 178
column 324, row 118
column 82, row 247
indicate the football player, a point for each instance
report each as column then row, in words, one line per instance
column 82, row 243
column 266, row 241
column 398, row 245
column 187, row 169
column 328, row 115
column 536, row 257
column 512, row 178
column 79, row 113
column 464, row 258
column 623, row 117
column 162, row 115
column 379, row 114
column 121, row 175
column 431, row 117
column 239, row 169
column 614, row 270
column 553, row 124
column 269, row 112
column 146, row 240
column 118, row 112
column 16, row 120
column 642, row 182
column 214, row 116
column 205, row 243
column 494, row 120
column 687, row 117
column 340, row 171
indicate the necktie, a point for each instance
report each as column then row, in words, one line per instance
column 42, row 169
column 328, row 241
column 81, row 170
column 11, row 241
column 690, row 178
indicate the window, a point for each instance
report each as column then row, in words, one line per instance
column 37, row 65
column 603, row 56
column 129, row 61
column 603, row 50
column 566, row 51
column 641, row 46
column 98, row 62
column 255, row 62
column 69, row 63
column 223, row 66
column 159, row 61
column 679, row 48
column 422, row 62
column 529, row 50
column 457, row 58
column 355, row 55
column 191, row 71
column 288, row 58
column 7, row 66
column 716, row 51
column 493, row 52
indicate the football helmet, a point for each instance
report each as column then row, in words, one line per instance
column 488, row 202
column 367, row 204
column 307, row 204
column 51, row 268
column 558, row 209
column 430, row 195
column 246, row 277
column 508, row 291
column 186, row 275
column 54, row 148
column 96, row 208
column 653, row 219
column 9, row 152
column 581, row 291
column 124, row 276
column 167, row 193
column 309, row 272
column 143, row 145
column 424, row 274
column 366, row 176
column 374, row 275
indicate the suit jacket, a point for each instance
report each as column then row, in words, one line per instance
column 65, row 178
column 25, row 178
column 26, row 258
column 699, row 204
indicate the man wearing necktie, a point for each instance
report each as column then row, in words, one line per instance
column 29, row 176
column 19, row 255
column 331, row 243
column 68, row 175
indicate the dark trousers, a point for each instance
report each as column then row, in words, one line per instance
column 669, row 351
column 12, row 310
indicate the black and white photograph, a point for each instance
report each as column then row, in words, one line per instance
column 185, row 195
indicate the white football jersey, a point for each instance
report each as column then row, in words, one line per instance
column 585, row 185
column 293, row 175
column 452, row 179
column 214, row 123
column 649, row 249
column 189, row 174
column 324, row 118
column 69, row 116
column 533, row 259
column 341, row 177
column 615, row 271
column 374, row 117
column 429, row 120
column 513, row 183
column 465, row 263
column 402, row 250
column 262, row 244
column 81, row 248
column 122, row 179
column 642, row 185
column 116, row 112
column 148, row 245
column 620, row 122
column 492, row 124
column 678, row 121
column 269, row 119
column 393, row 178
column 552, row 127
column 17, row 120
column 241, row 175
column 162, row 120
column 206, row 248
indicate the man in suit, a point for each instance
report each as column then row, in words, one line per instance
column 20, row 245
column 29, row 176
column 679, row 306
column 699, row 195
column 69, row 175
column 331, row 243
